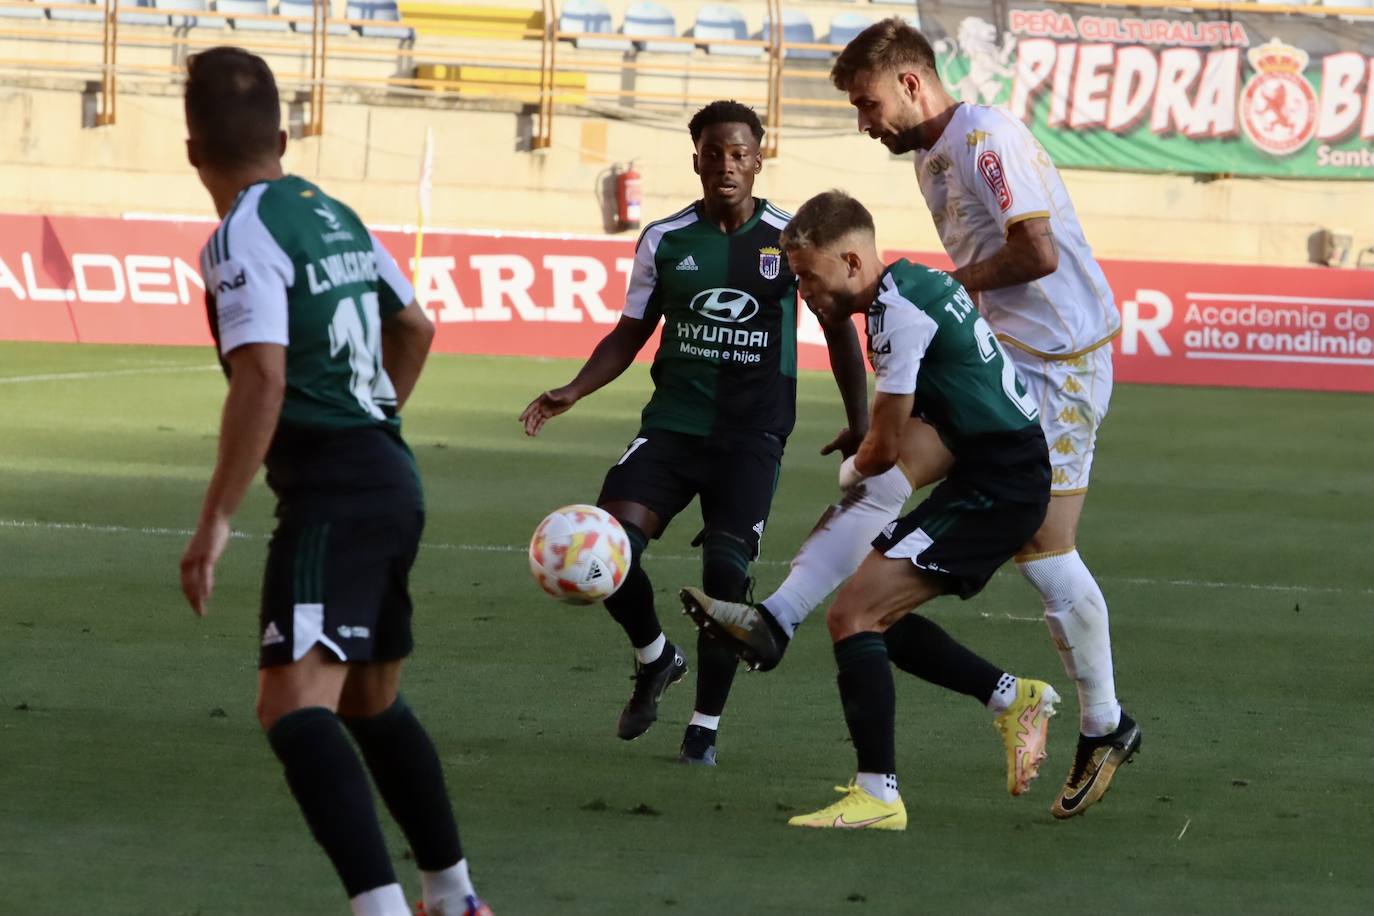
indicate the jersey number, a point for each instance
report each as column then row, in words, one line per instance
column 989, row 348
column 357, row 327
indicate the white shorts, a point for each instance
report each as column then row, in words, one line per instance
column 1073, row 395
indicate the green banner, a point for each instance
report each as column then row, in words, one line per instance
column 1170, row 91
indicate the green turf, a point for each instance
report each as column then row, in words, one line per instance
column 1231, row 531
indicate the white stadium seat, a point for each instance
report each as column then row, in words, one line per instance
column 139, row 18
column 844, row 26
column 723, row 22
column 590, row 16
column 27, row 11
column 305, row 9
column 191, row 14
column 381, row 11
column 250, row 8
column 648, row 19
column 796, row 27
column 94, row 12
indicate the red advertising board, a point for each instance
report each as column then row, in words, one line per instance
column 137, row 281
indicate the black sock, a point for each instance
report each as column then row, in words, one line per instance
column 919, row 646
column 724, row 575
column 632, row 606
column 406, row 768
column 326, row 777
column 870, row 701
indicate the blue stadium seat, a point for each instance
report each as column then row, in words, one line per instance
column 95, row 13
column 191, row 14
column 250, row 8
column 380, row 11
column 844, row 26
column 590, row 16
column 719, row 21
column 139, row 18
column 648, row 19
column 796, row 27
column 27, row 11
column 305, row 9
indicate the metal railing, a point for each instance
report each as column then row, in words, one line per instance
column 541, row 55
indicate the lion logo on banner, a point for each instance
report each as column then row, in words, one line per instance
column 1278, row 106
column 988, row 60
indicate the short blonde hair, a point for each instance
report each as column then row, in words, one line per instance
column 825, row 219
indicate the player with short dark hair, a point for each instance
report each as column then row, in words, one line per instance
column 936, row 359
column 723, row 405
column 322, row 342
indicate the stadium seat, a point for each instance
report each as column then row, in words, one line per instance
column 250, row 8
column 646, row 19
column 27, row 11
column 140, row 18
column 202, row 18
column 95, row 13
column 305, row 9
column 381, row 11
column 844, row 26
column 723, row 22
column 590, row 16
column 796, row 27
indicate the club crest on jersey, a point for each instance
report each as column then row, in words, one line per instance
column 770, row 263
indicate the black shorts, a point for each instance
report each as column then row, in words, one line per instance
column 735, row 477
column 960, row 535
column 344, row 584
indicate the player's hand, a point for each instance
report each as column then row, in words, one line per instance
column 849, row 474
column 846, row 443
column 549, row 404
column 198, row 562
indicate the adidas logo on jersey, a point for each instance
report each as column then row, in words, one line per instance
column 687, row 263
column 272, row 636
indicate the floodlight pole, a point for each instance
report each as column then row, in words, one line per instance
column 548, row 44
column 775, row 48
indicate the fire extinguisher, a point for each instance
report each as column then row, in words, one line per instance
column 629, row 194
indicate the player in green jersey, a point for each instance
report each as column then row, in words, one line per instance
column 935, row 360
column 322, row 342
column 724, row 402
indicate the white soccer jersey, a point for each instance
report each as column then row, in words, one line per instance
column 985, row 174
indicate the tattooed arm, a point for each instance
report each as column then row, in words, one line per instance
column 1029, row 254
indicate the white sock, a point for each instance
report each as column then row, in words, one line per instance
column 882, row 786
column 450, row 885
column 387, row 900
column 1076, row 614
column 705, row 721
column 1003, row 694
column 652, row 651
column 837, row 546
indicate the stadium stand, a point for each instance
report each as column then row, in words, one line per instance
column 646, row 19
column 135, row 18
column 70, row 13
column 724, row 24
column 844, row 26
column 590, row 16
column 28, row 10
column 379, row 11
column 796, row 29
column 252, row 15
column 302, row 12
column 180, row 10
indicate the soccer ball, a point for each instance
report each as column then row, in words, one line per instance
column 579, row 554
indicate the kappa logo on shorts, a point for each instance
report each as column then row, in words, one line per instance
column 272, row 636
column 348, row 632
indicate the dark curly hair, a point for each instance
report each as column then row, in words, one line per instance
column 725, row 111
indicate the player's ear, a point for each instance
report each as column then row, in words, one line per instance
column 696, row 164
column 281, row 143
column 911, row 84
column 191, row 156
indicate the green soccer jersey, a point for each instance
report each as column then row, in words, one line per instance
column 290, row 265
column 925, row 337
column 728, row 357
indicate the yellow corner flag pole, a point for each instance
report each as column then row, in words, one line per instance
column 426, row 184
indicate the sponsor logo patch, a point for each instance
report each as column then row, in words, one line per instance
column 990, row 167
column 725, row 304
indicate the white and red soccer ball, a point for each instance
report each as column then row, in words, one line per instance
column 579, row 554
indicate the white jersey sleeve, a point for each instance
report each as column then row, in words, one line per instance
column 247, row 275
column 899, row 334
column 643, row 277
column 393, row 287
column 1005, row 173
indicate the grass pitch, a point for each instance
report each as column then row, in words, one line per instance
column 1230, row 530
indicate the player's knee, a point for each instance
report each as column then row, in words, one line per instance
column 725, row 565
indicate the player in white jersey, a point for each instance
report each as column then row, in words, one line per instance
column 1006, row 220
